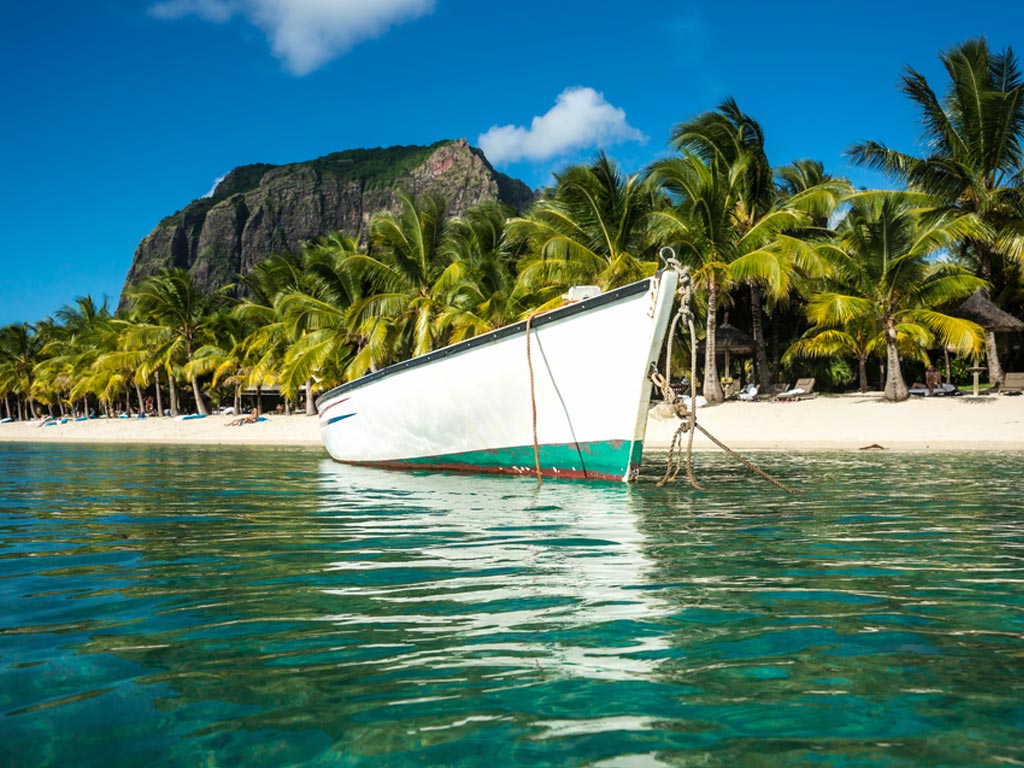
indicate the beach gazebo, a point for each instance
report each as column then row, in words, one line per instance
column 979, row 309
column 730, row 340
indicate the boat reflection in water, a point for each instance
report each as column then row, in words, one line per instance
column 467, row 571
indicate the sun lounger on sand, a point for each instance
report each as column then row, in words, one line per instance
column 942, row 390
column 1013, row 384
column 802, row 390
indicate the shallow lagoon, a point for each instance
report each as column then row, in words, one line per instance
column 215, row 606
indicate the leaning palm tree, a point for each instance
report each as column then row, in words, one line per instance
column 975, row 135
column 593, row 229
column 887, row 278
column 175, row 317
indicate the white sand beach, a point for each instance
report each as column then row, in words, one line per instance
column 843, row 422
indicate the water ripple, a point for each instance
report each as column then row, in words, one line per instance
column 268, row 607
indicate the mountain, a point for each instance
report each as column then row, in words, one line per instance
column 258, row 209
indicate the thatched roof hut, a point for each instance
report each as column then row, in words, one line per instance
column 980, row 310
column 728, row 340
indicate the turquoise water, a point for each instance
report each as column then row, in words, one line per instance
column 260, row 607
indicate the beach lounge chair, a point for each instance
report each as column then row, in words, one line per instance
column 1013, row 384
column 748, row 393
column 802, row 390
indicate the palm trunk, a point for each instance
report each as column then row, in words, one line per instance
column 197, row 393
column 761, row 372
column 995, row 370
column 173, row 388
column 895, row 387
column 712, row 386
column 862, row 369
column 310, row 402
column 159, row 396
column 238, row 398
column 138, row 397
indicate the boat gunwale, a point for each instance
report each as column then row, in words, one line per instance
column 551, row 316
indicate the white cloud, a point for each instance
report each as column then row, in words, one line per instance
column 217, row 11
column 304, row 34
column 580, row 118
column 213, row 189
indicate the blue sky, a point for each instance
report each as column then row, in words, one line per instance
column 120, row 112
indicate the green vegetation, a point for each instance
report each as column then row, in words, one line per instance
column 841, row 284
column 377, row 168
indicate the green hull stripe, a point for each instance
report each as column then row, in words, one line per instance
column 611, row 459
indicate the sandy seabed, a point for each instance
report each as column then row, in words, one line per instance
column 842, row 422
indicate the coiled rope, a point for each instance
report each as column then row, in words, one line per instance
column 687, row 414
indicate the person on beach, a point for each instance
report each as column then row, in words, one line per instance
column 932, row 379
column 250, row 419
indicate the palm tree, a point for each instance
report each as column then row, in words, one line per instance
column 976, row 140
column 20, row 353
column 802, row 185
column 175, row 318
column 859, row 338
column 479, row 284
column 699, row 225
column 222, row 356
column 396, row 316
column 75, row 339
column 762, row 233
column 887, row 281
column 257, row 359
column 592, row 229
column 318, row 314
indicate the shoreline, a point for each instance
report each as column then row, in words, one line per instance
column 824, row 423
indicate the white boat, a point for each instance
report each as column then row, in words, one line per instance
column 470, row 406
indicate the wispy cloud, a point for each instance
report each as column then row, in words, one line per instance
column 304, row 34
column 217, row 11
column 213, row 189
column 580, row 118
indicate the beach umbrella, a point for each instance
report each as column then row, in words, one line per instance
column 731, row 340
column 979, row 309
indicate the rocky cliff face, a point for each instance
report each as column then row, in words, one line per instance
column 259, row 209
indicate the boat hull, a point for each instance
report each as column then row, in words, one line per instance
column 468, row 407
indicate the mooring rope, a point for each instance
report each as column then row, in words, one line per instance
column 533, row 403
column 688, row 414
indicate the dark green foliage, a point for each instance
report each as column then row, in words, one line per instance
column 378, row 167
column 375, row 168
